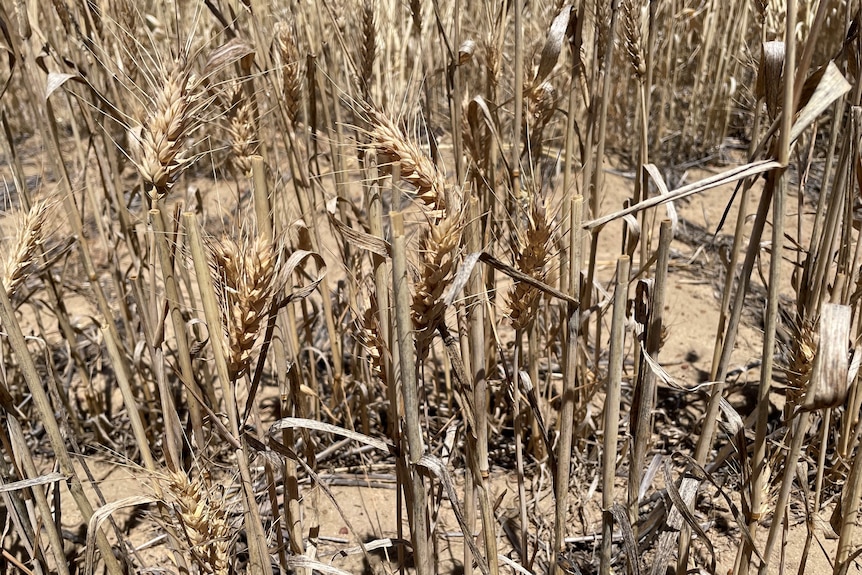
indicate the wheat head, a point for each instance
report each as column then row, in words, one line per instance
column 203, row 518
column 245, row 273
column 531, row 255
column 162, row 155
column 634, row 38
column 368, row 47
column 23, row 252
column 392, row 145
column 242, row 131
column 287, row 52
column 439, row 250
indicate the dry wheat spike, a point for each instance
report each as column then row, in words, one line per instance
column 24, row 249
column 246, row 276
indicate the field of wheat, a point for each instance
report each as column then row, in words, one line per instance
column 430, row 286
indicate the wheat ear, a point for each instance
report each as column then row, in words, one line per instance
column 162, row 153
column 241, row 129
column 287, row 52
column 368, row 335
column 392, row 145
column 439, row 248
column 531, row 255
column 203, row 518
column 21, row 258
column 368, row 45
column 634, row 38
column 245, row 274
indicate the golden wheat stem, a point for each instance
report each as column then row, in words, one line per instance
column 132, row 407
column 568, row 400
column 55, row 161
column 410, row 390
column 212, row 312
column 771, row 318
column 515, row 160
column 596, row 159
column 612, row 409
column 641, row 419
column 374, row 206
column 264, row 219
column 798, row 431
column 569, row 164
column 24, row 457
column 174, row 301
column 518, row 424
column 476, row 321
